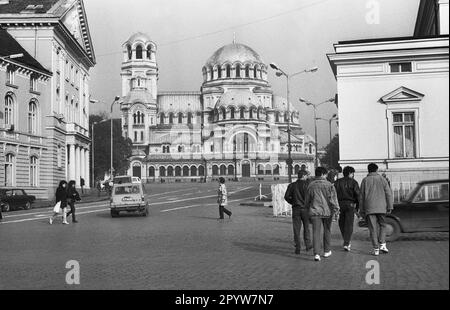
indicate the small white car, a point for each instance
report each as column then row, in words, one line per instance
column 128, row 197
column 126, row 179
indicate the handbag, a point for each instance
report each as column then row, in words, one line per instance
column 57, row 207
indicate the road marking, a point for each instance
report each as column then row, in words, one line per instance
column 201, row 205
column 47, row 210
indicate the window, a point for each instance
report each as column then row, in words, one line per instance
column 180, row 118
column 33, row 83
column 193, row 171
column 9, row 111
column 433, row 192
column 178, row 171
column 181, row 149
column 138, row 118
column 219, row 72
column 215, row 170
column 161, row 118
column 162, row 171
column 32, row 117
column 142, row 136
column 171, row 118
column 129, row 51
column 242, row 113
column 170, row 171
column 228, row 69
column 149, row 52
column 9, row 170
column 33, row 171
column 247, row 71
column 59, row 156
column 277, row 117
column 135, row 136
column 223, row 170
column 232, row 113
column 189, row 118
column 10, row 75
column 185, row 171
column 404, row 135
column 151, row 172
column 400, row 67
column 238, row 71
column 139, row 52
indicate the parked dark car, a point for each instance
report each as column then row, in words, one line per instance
column 425, row 209
column 15, row 198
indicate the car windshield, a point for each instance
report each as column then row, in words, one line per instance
column 120, row 180
column 411, row 194
column 126, row 190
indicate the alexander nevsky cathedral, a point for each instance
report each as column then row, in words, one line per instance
column 234, row 127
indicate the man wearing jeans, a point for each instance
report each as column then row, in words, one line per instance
column 321, row 201
column 295, row 195
column 375, row 201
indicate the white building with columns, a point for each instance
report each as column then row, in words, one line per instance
column 234, row 127
column 56, row 34
column 394, row 101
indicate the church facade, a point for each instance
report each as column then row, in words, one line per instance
column 234, row 127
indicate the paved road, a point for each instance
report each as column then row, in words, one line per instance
column 181, row 245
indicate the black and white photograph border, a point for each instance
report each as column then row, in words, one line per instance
column 235, row 148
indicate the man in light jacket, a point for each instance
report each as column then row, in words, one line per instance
column 375, row 201
column 321, row 201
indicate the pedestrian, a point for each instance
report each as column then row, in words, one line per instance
column 99, row 187
column 82, row 183
column 332, row 176
column 295, row 196
column 222, row 199
column 1, row 217
column 375, row 201
column 61, row 197
column 321, row 201
column 72, row 197
column 347, row 190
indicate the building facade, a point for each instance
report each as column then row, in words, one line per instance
column 393, row 100
column 233, row 127
column 56, row 34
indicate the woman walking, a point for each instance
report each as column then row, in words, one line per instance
column 72, row 196
column 61, row 197
column 222, row 199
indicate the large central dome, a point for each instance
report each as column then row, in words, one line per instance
column 234, row 52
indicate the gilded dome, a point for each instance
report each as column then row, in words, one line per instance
column 234, row 52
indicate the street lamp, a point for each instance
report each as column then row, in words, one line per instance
column 112, row 105
column 280, row 73
column 333, row 118
column 316, row 164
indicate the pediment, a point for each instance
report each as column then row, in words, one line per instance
column 402, row 94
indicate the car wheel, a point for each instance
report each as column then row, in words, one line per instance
column 6, row 207
column 114, row 213
column 393, row 229
column 28, row 205
column 145, row 213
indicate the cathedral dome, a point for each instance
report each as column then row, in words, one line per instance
column 232, row 53
column 139, row 36
column 238, row 97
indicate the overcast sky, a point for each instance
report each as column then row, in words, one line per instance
column 295, row 34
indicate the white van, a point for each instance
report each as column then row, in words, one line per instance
column 128, row 197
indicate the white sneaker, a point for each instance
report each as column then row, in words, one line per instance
column 317, row 258
column 51, row 221
column 383, row 248
column 347, row 247
column 65, row 223
column 376, row 252
column 327, row 254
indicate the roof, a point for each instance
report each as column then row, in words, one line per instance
column 389, row 39
column 139, row 36
column 10, row 46
column 19, row 6
column 239, row 97
column 234, row 52
column 432, row 181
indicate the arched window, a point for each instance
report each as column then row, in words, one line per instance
column 276, row 169
column 170, row 118
column 228, row 69
column 260, row 169
column 151, row 172
column 201, row 171
column 224, row 113
column 149, row 52
column 247, row 71
column 277, row 117
column 33, row 171
column 238, row 70
column 232, row 111
column 180, row 118
column 189, row 118
column 255, row 72
column 296, row 169
column 215, row 170
column 211, row 69
column 181, row 149
column 162, row 171
column 242, row 113
column 219, row 72
column 161, row 118
column 230, row 170
column 32, row 117
column 170, row 171
column 223, row 170
column 9, row 110
column 286, row 117
column 193, row 171
column 250, row 113
column 268, row 169
column 129, row 51
column 178, row 171
column 9, row 170
column 139, row 52
column 185, row 171
column 310, row 149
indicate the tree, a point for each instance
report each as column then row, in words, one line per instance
column 122, row 147
column 331, row 157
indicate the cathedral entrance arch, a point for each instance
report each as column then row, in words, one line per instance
column 245, row 169
column 137, row 170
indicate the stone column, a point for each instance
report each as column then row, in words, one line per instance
column 82, row 167
column 72, row 162
column 87, row 173
column 77, row 165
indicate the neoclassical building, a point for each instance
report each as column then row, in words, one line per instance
column 233, row 127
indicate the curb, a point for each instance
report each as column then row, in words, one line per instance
column 256, row 204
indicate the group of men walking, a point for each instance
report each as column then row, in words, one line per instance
column 319, row 202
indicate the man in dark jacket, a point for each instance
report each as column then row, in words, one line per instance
column 321, row 201
column 375, row 201
column 295, row 196
column 347, row 190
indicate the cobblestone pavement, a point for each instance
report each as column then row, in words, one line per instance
column 181, row 245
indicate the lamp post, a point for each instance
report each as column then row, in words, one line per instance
column 112, row 105
column 333, row 118
column 280, row 73
column 316, row 164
